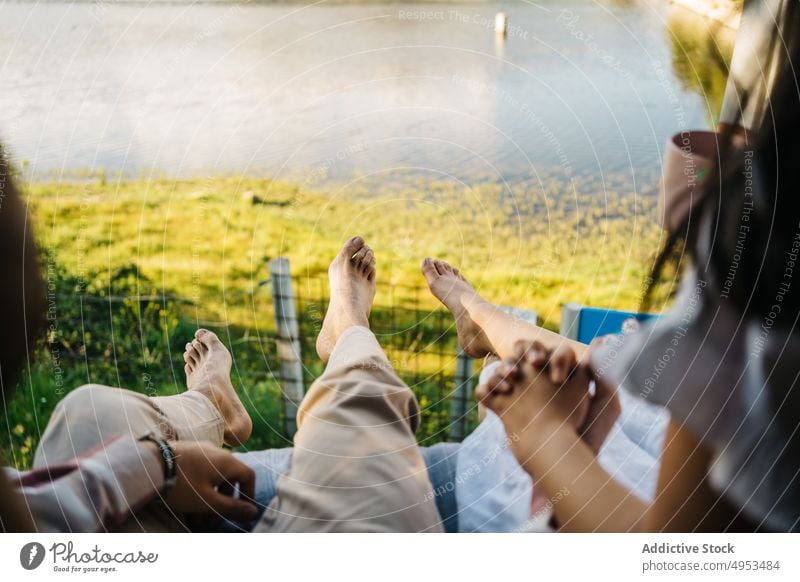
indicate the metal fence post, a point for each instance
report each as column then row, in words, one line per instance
column 461, row 396
column 287, row 341
column 570, row 320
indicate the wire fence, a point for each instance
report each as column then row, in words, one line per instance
column 419, row 340
column 132, row 336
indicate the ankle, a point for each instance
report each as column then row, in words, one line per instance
column 352, row 321
column 473, row 302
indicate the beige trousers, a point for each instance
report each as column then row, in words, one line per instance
column 91, row 414
column 356, row 465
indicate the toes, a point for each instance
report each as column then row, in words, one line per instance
column 200, row 347
column 352, row 246
column 443, row 268
column 370, row 271
column 360, row 256
column 368, row 262
column 429, row 270
column 364, row 261
column 189, row 356
column 205, row 337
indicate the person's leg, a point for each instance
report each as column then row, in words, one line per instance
column 270, row 464
column 441, row 460
column 89, row 415
column 484, row 328
column 209, row 410
column 356, row 465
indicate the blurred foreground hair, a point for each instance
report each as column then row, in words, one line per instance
column 21, row 288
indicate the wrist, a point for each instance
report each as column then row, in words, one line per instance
column 549, row 435
column 166, row 454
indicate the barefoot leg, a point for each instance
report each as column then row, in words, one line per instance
column 484, row 328
column 352, row 279
column 208, row 372
column 504, row 330
column 356, row 465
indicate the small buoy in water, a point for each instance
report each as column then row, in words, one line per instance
column 500, row 23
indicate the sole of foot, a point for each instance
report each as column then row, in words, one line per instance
column 450, row 287
column 352, row 279
column 208, row 371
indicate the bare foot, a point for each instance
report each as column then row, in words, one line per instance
column 352, row 278
column 450, row 287
column 208, row 370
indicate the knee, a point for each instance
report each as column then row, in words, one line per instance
column 87, row 401
column 379, row 367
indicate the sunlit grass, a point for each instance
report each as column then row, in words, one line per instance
column 207, row 241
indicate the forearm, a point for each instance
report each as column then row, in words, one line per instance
column 589, row 499
column 95, row 492
column 504, row 331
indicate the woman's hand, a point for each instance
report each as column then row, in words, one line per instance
column 207, row 477
column 542, row 398
column 557, row 389
column 604, row 406
column 592, row 419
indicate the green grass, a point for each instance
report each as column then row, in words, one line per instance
column 135, row 266
column 534, row 247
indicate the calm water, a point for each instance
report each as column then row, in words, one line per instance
column 329, row 91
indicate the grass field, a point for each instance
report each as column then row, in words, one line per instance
column 133, row 267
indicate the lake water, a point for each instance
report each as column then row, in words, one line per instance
column 326, row 92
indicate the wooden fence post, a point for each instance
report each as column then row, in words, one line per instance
column 461, row 396
column 288, row 341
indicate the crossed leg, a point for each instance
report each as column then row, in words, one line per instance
column 209, row 411
column 356, row 465
column 484, row 328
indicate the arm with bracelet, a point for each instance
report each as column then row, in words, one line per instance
column 98, row 491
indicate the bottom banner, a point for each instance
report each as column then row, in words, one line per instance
column 356, row 557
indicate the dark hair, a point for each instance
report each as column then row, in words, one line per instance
column 744, row 240
column 748, row 219
column 21, row 290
